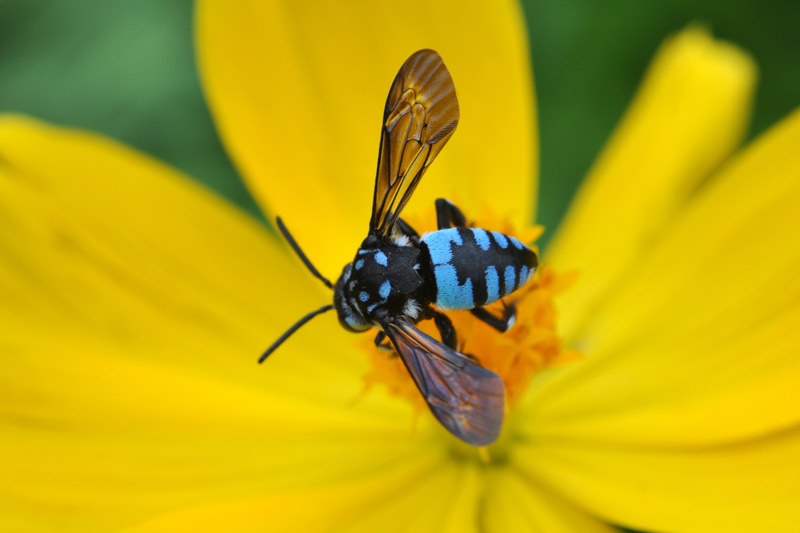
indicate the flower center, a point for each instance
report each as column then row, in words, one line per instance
column 531, row 345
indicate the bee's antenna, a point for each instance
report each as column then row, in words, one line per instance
column 292, row 329
column 299, row 252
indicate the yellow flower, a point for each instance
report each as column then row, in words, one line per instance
column 134, row 302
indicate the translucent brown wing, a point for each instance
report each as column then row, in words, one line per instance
column 420, row 116
column 466, row 398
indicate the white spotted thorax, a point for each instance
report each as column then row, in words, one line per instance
column 383, row 280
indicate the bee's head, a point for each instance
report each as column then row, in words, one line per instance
column 350, row 316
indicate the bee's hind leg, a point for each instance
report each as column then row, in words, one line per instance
column 448, row 215
column 501, row 324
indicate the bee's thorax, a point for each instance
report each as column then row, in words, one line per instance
column 384, row 280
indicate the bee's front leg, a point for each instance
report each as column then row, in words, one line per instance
column 381, row 345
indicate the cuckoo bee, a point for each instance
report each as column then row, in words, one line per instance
column 398, row 278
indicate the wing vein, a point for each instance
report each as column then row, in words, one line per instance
column 425, row 81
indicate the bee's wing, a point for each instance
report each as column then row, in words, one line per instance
column 420, row 116
column 466, row 398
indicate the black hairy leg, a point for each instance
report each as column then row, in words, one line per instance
column 501, row 323
column 448, row 215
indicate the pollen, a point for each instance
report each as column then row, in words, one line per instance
column 528, row 347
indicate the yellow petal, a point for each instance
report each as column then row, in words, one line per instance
column 297, row 91
column 409, row 496
column 99, row 238
column 135, row 305
column 743, row 488
column 518, row 503
column 462, row 507
column 163, row 439
column 701, row 344
column 163, row 236
column 690, row 113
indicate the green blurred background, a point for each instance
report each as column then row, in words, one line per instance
column 126, row 69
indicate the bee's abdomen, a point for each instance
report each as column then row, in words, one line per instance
column 473, row 267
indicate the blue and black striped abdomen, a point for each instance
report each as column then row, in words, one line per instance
column 473, row 267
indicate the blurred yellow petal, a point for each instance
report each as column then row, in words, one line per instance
column 462, row 506
column 404, row 498
column 297, row 91
column 518, row 503
column 701, row 344
column 689, row 115
column 114, row 215
column 162, row 438
column 135, row 306
column 743, row 488
column 99, row 238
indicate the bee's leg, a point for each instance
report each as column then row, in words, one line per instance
column 448, row 215
column 446, row 329
column 379, row 338
column 407, row 230
column 447, row 332
column 501, row 324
